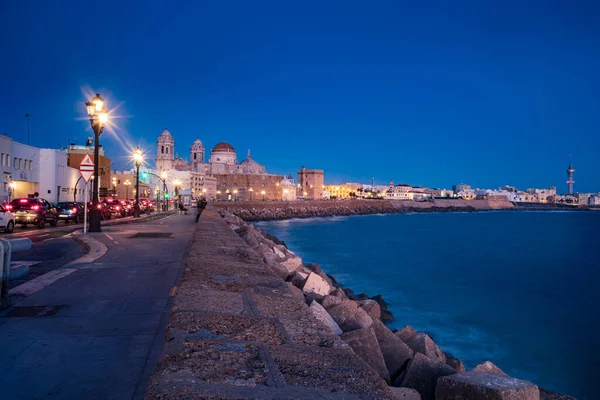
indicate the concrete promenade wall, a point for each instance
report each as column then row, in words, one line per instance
column 237, row 330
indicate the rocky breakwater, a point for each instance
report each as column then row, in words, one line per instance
column 410, row 362
column 277, row 210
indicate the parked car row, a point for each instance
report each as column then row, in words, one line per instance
column 39, row 212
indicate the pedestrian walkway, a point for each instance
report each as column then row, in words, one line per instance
column 97, row 332
column 237, row 331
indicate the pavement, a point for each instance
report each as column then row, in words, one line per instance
column 96, row 330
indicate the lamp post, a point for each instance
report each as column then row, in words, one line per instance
column 251, row 191
column 176, row 184
column 114, row 182
column 218, row 194
column 98, row 114
column 235, row 192
column 263, row 194
column 127, row 183
column 13, row 186
column 137, row 159
column 163, row 176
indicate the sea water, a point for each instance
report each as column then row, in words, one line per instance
column 520, row 289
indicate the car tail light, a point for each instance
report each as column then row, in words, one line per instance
column 23, row 201
column 9, row 207
column 74, row 210
column 99, row 206
column 35, row 208
column 118, row 208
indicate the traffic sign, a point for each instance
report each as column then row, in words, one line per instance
column 148, row 191
column 86, row 168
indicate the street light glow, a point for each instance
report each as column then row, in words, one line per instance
column 98, row 102
column 137, row 156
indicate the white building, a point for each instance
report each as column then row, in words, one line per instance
column 28, row 170
column 288, row 189
column 399, row 192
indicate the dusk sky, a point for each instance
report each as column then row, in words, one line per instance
column 427, row 93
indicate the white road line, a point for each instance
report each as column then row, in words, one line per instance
column 110, row 237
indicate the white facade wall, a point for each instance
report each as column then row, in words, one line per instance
column 57, row 180
column 25, row 169
column 5, row 167
column 399, row 193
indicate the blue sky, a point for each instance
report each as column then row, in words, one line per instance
column 435, row 93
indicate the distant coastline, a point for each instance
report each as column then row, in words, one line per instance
column 278, row 210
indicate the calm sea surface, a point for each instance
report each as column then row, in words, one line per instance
column 518, row 288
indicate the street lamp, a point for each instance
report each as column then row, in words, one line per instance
column 263, row 194
column 13, row 186
column 127, row 183
column 137, row 159
column 98, row 114
column 235, row 192
column 163, row 176
column 251, row 191
column 218, row 195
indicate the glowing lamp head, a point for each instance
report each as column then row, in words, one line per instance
column 103, row 116
column 137, row 156
column 98, row 102
column 90, row 108
column 163, row 175
column 262, row 192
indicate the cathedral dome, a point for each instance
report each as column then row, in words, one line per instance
column 197, row 144
column 166, row 133
column 225, row 147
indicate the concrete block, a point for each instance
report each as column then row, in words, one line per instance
column 396, row 353
column 401, row 393
column 406, row 333
column 364, row 343
column 315, row 284
column 422, row 374
column 422, row 343
column 349, row 317
column 323, row 316
column 330, row 301
column 279, row 252
column 484, row 386
column 298, row 279
column 292, row 264
column 488, row 367
column 454, row 362
column 371, row 307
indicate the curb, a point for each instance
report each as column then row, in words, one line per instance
column 96, row 249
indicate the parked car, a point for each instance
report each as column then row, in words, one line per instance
column 70, row 211
column 103, row 207
column 7, row 220
column 127, row 207
column 33, row 211
column 116, row 210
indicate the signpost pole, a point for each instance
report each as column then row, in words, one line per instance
column 85, row 209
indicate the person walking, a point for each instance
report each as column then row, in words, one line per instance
column 200, row 207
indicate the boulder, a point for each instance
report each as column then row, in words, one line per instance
column 298, row 279
column 314, row 268
column 324, row 317
column 484, row 386
column 361, row 296
column 422, row 343
column 422, row 374
column 382, row 303
column 454, row 362
column 401, row 393
column 406, row 333
column 315, row 284
column 292, row 264
column 275, row 266
column 274, row 239
column 371, row 307
column 396, row 353
column 488, row 367
column 546, row 394
column 339, row 293
column 234, row 227
column 330, row 301
column 278, row 252
column 294, row 291
column 364, row 343
column 349, row 317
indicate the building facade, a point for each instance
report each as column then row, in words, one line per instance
column 76, row 154
column 311, row 183
column 461, row 187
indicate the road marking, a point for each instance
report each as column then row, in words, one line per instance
column 40, row 282
column 108, row 236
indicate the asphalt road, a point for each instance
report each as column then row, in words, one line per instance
column 52, row 247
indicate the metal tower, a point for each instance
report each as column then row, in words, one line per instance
column 570, row 173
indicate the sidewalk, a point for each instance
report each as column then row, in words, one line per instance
column 97, row 332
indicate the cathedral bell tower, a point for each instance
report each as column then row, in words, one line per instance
column 165, row 152
column 196, row 155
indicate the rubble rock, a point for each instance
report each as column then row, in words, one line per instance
column 298, row 279
column 278, row 269
column 323, row 316
column 314, row 268
column 330, row 301
column 315, row 284
column 396, row 353
column 364, row 343
column 454, row 362
column 295, row 292
column 484, row 386
column 546, row 394
column 278, row 252
column 292, row 264
column 422, row 374
column 371, row 307
column 382, row 303
column 488, row 367
column 349, row 317
column 401, row 393
column 406, row 333
column 422, row 343
column 339, row 293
